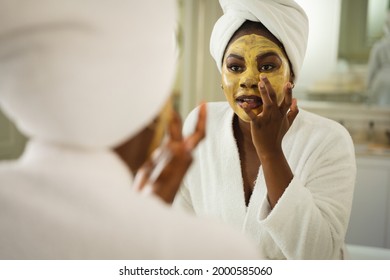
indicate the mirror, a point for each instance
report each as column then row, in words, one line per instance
column 341, row 35
column 376, row 16
column 361, row 25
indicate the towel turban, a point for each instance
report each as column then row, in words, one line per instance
column 285, row 19
column 85, row 73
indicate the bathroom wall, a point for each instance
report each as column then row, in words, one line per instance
column 322, row 50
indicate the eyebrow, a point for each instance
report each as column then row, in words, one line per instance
column 260, row 56
column 267, row 54
column 236, row 56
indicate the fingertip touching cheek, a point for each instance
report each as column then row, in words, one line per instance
column 245, row 60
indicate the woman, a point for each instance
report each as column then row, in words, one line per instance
column 68, row 80
column 283, row 176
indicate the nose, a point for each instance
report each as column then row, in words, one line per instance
column 249, row 80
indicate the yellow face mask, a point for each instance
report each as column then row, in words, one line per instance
column 245, row 59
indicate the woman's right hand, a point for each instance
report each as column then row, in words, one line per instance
column 269, row 127
column 163, row 173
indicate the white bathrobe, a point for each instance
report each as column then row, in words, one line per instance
column 311, row 218
column 66, row 203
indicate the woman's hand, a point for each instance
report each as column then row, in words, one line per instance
column 164, row 172
column 269, row 127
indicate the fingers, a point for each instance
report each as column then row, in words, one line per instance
column 175, row 127
column 169, row 180
column 288, row 94
column 160, row 163
column 289, row 104
column 163, row 173
column 287, row 100
column 249, row 111
column 152, row 168
column 293, row 111
column 267, row 92
column 268, row 96
column 142, row 177
column 200, row 130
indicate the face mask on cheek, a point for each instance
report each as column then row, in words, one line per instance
column 278, row 82
column 245, row 60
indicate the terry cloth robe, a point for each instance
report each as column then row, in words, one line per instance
column 61, row 202
column 311, row 218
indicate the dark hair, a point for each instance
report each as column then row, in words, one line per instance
column 250, row 27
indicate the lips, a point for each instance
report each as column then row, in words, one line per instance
column 252, row 101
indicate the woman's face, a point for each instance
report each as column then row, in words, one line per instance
column 246, row 58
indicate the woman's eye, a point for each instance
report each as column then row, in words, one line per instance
column 235, row 68
column 266, row 67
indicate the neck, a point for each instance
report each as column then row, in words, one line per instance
column 243, row 129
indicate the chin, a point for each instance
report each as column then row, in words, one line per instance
column 245, row 119
column 242, row 116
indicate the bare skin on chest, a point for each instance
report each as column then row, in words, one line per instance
column 249, row 160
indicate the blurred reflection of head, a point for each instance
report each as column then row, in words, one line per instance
column 68, row 76
column 386, row 26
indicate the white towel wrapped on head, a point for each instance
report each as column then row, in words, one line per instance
column 285, row 19
column 69, row 75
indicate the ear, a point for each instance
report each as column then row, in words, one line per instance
column 292, row 76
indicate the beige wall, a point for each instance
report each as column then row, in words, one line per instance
column 198, row 76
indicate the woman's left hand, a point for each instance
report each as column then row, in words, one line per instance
column 163, row 173
column 269, row 127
